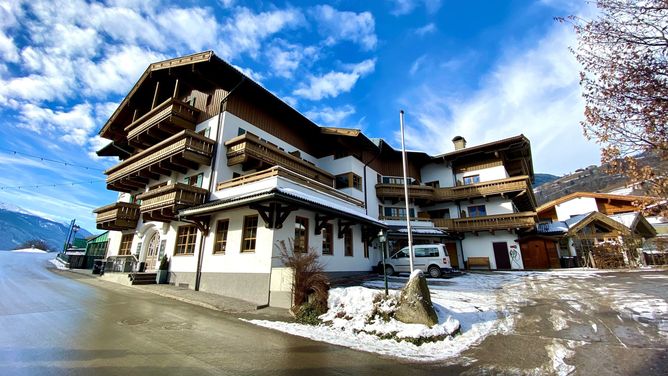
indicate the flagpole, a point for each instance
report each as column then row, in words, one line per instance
column 408, row 212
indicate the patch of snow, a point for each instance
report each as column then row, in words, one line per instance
column 594, row 326
column 557, row 319
column 558, row 353
column 28, row 250
column 58, row 264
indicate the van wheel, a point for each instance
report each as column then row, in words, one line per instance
column 389, row 270
column 434, row 271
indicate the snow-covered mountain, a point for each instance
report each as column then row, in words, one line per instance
column 18, row 225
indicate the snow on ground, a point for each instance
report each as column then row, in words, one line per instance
column 473, row 301
column 28, row 250
column 58, row 264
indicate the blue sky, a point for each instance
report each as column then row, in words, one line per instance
column 480, row 69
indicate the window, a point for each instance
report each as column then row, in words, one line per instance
column 205, row 132
column 241, row 132
column 301, row 234
column 185, row 240
column 126, row 243
column 434, row 184
column 249, row 233
column 477, row 211
column 195, row 180
column 349, row 180
column 392, row 180
column 471, row 179
column 327, row 244
column 221, row 236
column 348, row 242
column 398, row 212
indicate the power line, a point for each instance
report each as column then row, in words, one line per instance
column 53, row 160
column 51, row 185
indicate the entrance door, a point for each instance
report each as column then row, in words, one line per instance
column 452, row 252
column 152, row 251
column 501, row 255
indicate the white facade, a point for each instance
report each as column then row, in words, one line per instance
column 575, row 206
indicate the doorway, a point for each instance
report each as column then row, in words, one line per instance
column 501, row 255
column 152, row 251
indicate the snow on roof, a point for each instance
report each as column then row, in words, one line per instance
column 414, row 230
column 626, row 219
column 330, row 203
column 574, row 220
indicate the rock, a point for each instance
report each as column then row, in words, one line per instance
column 415, row 305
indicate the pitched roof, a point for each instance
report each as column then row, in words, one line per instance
column 605, row 196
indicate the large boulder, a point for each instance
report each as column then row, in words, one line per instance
column 415, row 305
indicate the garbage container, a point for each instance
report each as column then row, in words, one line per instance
column 97, row 266
column 568, row 262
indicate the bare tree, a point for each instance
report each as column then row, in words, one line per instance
column 623, row 53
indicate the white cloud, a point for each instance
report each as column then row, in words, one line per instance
column 426, row 29
column 71, row 126
column 246, row 31
column 338, row 26
column 118, row 71
column 8, row 50
column 253, row 75
column 417, row 64
column 334, row 83
column 179, row 24
column 535, row 92
column 284, row 57
column 125, row 25
column 330, row 117
column 403, row 7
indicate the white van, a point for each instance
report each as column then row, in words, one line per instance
column 432, row 259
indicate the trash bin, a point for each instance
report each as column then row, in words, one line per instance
column 568, row 262
column 97, row 266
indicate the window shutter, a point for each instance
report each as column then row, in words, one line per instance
column 200, row 177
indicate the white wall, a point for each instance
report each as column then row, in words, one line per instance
column 481, row 246
column 579, row 205
column 486, row 174
column 437, row 172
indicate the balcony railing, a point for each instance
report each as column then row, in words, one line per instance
column 396, row 192
column 180, row 152
column 163, row 204
column 287, row 174
column 513, row 187
column 166, row 119
column 511, row 221
column 250, row 149
column 117, row 216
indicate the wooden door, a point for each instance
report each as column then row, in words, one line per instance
column 152, row 252
column 501, row 255
column 452, row 253
column 539, row 254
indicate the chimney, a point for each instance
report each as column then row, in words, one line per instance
column 460, row 142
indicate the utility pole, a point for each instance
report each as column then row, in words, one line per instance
column 69, row 233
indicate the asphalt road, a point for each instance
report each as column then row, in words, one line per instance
column 57, row 323
column 51, row 324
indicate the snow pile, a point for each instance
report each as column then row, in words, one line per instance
column 362, row 310
column 476, row 303
column 28, row 250
column 58, row 264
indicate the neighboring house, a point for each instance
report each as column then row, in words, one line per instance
column 572, row 225
column 215, row 170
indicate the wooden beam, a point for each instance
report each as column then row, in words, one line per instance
column 155, row 94
column 343, row 227
column 171, row 166
column 176, row 88
column 159, row 170
column 320, row 223
column 183, row 163
column 273, row 214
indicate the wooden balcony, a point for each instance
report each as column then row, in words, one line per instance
column 166, row 119
column 516, row 188
column 180, row 152
column 255, row 153
column 513, row 221
column 287, row 174
column 163, row 204
column 396, row 192
column 117, row 216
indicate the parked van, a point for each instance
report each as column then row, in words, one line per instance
column 432, row 259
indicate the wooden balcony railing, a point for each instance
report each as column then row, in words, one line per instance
column 514, row 187
column 166, row 119
column 287, row 174
column 248, row 149
column 117, row 216
column 488, row 223
column 396, row 192
column 163, row 204
column 180, row 152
